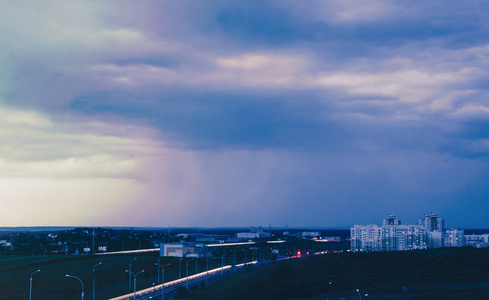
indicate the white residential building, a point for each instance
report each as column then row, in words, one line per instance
column 454, row 238
column 477, row 240
column 391, row 236
column 366, row 238
column 430, row 233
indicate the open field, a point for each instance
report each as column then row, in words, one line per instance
column 111, row 278
column 456, row 273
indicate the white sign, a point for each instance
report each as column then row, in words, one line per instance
column 86, row 249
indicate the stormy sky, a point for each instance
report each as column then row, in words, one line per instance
column 240, row 113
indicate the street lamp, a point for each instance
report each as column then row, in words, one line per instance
column 359, row 296
column 83, row 292
column 180, row 268
column 94, row 279
column 158, row 265
column 186, row 281
column 207, row 272
column 135, row 276
column 162, row 279
column 30, row 284
column 329, row 290
column 196, row 264
column 222, row 263
column 130, row 272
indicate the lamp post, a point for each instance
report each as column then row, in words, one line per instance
column 207, row 272
column 329, row 290
column 135, row 277
column 162, row 275
column 359, row 296
column 158, row 266
column 130, row 265
column 186, row 281
column 83, row 292
column 163, row 281
column 222, row 263
column 180, row 268
column 234, row 262
column 196, row 264
column 94, row 279
column 30, row 284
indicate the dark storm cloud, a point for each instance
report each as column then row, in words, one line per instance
column 354, row 108
column 225, row 120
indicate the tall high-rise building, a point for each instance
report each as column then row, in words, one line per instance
column 435, row 228
column 433, row 223
column 391, row 220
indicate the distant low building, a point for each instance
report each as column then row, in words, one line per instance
column 254, row 233
column 5, row 243
column 216, row 239
column 311, row 234
column 247, row 235
column 331, row 238
column 477, row 240
column 184, row 250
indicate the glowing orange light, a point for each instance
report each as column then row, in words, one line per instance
column 298, row 253
column 307, row 252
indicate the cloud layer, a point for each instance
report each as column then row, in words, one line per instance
column 231, row 113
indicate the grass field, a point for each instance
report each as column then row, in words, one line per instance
column 111, row 278
column 457, row 273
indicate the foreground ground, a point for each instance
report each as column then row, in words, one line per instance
column 457, row 273
column 111, row 279
column 51, row 283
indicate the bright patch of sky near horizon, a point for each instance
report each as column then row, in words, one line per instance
column 237, row 113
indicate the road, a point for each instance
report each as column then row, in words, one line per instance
column 193, row 281
column 129, row 251
column 196, row 280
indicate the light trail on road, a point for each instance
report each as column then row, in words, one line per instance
column 170, row 287
column 129, row 251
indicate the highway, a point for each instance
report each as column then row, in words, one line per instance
column 196, row 280
column 193, row 281
column 129, row 251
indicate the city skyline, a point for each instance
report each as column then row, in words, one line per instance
column 232, row 113
column 428, row 233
